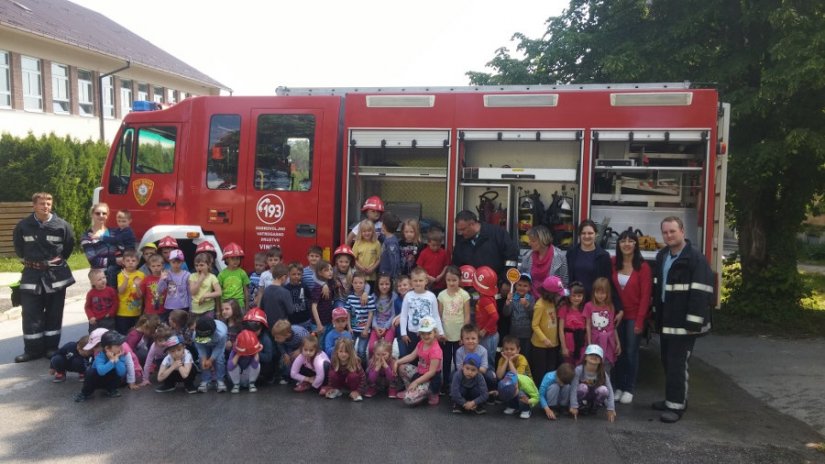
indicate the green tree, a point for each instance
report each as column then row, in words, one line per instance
column 766, row 57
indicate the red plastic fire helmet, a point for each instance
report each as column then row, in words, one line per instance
column 205, row 247
column 232, row 250
column 468, row 275
column 374, row 203
column 168, row 242
column 256, row 315
column 486, row 281
column 247, row 344
column 343, row 250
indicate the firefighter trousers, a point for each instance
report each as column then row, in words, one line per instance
column 676, row 351
column 42, row 321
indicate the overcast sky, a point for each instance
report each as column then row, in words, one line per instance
column 255, row 46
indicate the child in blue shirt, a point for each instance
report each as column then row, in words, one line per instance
column 360, row 314
column 255, row 278
column 108, row 369
column 390, row 259
column 340, row 328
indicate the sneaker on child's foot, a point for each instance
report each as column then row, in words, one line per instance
column 113, row 393
column 59, row 377
column 626, row 398
column 202, row 387
column 80, row 397
column 371, row 391
column 235, row 389
column 525, row 414
column 282, row 382
column 509, row 411
column 324, row 390
column 392, row 393
column 617, row 394
column 302, row 387
column 479, row 410
column 221, row 387
column 253, row 388
column 457, row 409
column 192, row 389
column 333, row 393
column 355, row 396
column 164, row 389
column 433, row 399
column 400, row 395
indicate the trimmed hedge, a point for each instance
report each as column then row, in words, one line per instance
column 65, row 167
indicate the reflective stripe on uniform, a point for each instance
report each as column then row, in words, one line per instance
column 702, row 287
column 677, row 287
column 28, row 286
column 62, row 283
column 511, row 264
column 696, row 319
column 53, row 238
column 29, row 238
column 33, row 336
column 674, row 331
column 672, row 405
column 51, row 333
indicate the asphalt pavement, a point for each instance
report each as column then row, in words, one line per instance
column 741, row 411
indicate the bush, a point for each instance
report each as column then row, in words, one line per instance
column 67, row 168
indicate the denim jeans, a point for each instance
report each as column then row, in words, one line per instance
column 627, row 366
column 490, row 343
column 219, row 365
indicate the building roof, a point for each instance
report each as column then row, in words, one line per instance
column 74, row 25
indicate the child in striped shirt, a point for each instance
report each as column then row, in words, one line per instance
column 360, row 314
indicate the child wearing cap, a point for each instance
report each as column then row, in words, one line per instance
column 204, row 288
column 108, row 369
column 340, row 329
column 71, row 357
column 166, row 246
column 244, row 362
column 422, row 379
column 176, row 367
column 555, row 388
column 146, row 252
column 591, row 388
column 544, row 352
column 519, row 308
column 519, row 393
column 175, row 282
column 468, row 389
column 210, row 341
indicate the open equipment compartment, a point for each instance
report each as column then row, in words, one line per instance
column 538, row 169
column 406, row 168
column 641, row 177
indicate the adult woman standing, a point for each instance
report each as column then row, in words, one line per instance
column 99, row 254
column 633, row 277
column 587, row 261
column 544, row 260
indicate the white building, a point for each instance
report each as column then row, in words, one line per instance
column 52, row 55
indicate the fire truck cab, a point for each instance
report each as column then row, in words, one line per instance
column 293, row 170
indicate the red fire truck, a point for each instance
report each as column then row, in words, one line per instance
column 293, row 170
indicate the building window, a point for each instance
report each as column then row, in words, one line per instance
column 85, row 93
column 32, row 84
column 109, row 97
column 60, row 88
column 143, row 92
column 170, row 96
column 5, row 80
column 158, row 95
column 125, row 96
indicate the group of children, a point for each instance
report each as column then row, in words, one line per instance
column 331, row 327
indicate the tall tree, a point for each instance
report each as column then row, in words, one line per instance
column 766, row 57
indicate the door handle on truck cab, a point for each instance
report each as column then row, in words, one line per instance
column 165, row 203
column 305, row 230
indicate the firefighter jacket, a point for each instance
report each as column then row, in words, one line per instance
column 38, row 244
column 689, row 295
column 491, row 247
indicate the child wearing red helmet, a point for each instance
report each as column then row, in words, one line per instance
column 344, row 261
column 244, row 363
column 165, row 246
column 233, row 280
column 255, row 320
column 486, row 284
column 373, row 209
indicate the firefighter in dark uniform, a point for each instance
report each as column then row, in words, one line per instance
column 43, row 241
column 683, row 298
column 482, row 244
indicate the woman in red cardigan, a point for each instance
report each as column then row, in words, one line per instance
column 634, row 281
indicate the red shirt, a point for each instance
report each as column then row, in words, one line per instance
column 152, row 299
column 434, row 262
column 636, row 293
column 101, row 303
column 487, row 315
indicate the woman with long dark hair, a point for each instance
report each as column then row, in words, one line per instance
column 633, row 279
